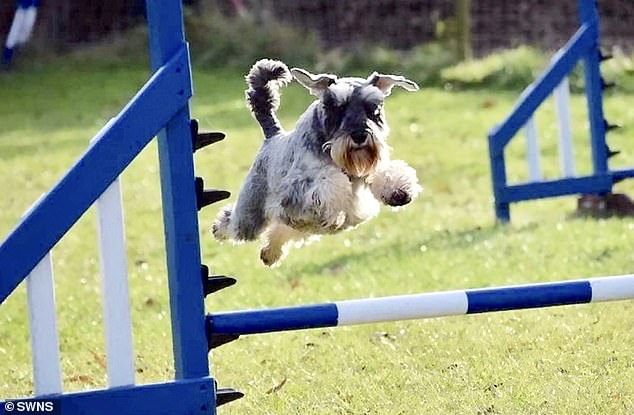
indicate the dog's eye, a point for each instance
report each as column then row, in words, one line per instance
column 373, row 110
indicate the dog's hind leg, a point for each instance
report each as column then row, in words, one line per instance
column 279, row 238
column 246, row 220
column 240, row 223
column 220, row 227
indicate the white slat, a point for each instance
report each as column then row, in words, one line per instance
column 47, row 374
column 562, row 105
column 27, row 26
column 114, row 277
column 532, row 151
column 13, row 38
column 40, row 294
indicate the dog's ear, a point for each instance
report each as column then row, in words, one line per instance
column 386, row 82
column 316, row 84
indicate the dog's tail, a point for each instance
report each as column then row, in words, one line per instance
column 263, row 95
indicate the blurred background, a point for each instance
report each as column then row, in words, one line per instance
column 421, row 37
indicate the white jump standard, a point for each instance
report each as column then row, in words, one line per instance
column 230, row 325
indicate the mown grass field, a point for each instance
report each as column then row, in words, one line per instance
column 567, row 360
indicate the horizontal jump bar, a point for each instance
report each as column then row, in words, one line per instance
column 418, row 306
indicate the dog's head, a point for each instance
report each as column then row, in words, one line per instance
column 352, row 118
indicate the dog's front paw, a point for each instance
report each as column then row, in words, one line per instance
column 395, row 184
column 271, row 256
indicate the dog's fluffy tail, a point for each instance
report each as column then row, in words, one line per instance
column 263, row 95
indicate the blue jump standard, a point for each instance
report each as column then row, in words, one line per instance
column 426, row 305
column 161, row 107
column 583, row 46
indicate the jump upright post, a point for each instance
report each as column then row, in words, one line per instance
column 582, row 46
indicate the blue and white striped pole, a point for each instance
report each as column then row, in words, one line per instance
column 418, row 306
column 21, row 28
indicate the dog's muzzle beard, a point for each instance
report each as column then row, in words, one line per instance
column 356, row 160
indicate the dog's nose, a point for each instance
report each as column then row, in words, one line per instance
column 359, row 136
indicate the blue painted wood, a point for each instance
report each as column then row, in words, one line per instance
column 162, row 103
column 182, row 397
column 25, row 4
column 274, row 319
column 594, row 90
column 553, row 188
column 180, row 214
column 618, row 175
column 502, row 211
column 535, row 94
column 7, row 55
column 165, row 93
column 486, row 300
column 498, row 178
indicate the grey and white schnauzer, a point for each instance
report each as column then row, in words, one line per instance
column 329, row 174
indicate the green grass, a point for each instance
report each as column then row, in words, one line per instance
column 568, row 360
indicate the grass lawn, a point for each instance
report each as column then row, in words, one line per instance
column 567, row 360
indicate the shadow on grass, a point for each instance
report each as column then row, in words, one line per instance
column 465, row 238
column 438, row 240
column 338, row 265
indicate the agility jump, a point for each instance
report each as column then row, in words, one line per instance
column 583, row 46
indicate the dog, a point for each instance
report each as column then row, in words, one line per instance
column 327, row 175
